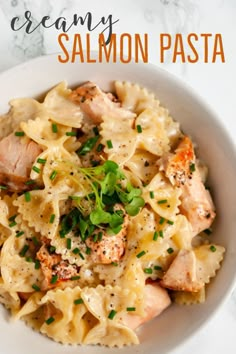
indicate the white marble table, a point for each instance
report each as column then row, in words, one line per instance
column 216, row 82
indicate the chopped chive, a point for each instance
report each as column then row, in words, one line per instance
column 27, row 197
column 212, row 248
column 36, row 264
column 29, row 182
column 76, row 277
column 162, row 201
column 157, row 267
column 139, row 129
column 109, row 144
column 87, row 146
column 170, row 250
column 24, row 250
column 52, row 249
column 115, row 264
column 54, row 128
column 68, row 243
column 208, row 231
column 74, row 197
column 95, row 130
column 71, row 133
column 151, row 195
column 12, row 224
column 88, row 250
column 112, row 314
column 100, row 236
column 155, row 236
column 95, row 238
column 129, row 309
column 170, row 222
column 162, row 220
column 76, row 250
column 62, row 233
column 81, row 255
column 148, row 270
column 99, row 148
column 3, row 187
column 78, row 301
column 29, row 259
column 12, row 218
column 19, row 133
column 36, row 169
column 42, row 161
column 52, row 218
column 192, row 167
column 19, row 233
column 50, row 320
column 140, row 254
column 36, row 287
column 53, row 175
column 35, row 241
column 54, row 279
column 161, row 233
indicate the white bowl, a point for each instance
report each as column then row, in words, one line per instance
column 178, row 323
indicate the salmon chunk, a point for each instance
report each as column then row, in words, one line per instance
column 156, row 300
column 17, row 155
column 95, row 103
column 109, row 248
column 182, row 273
column 52, row 265
column 182, row 171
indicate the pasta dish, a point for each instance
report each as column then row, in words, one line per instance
column 105, row 214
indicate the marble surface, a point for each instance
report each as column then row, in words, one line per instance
column 216, row 82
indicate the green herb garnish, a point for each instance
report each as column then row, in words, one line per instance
column 78, row 301
column 36, row 169
column 54, row 128
column 50, row 320
column 162, row 201
column 140, row 254
column 192, row 167
column 112, row 314
column 19, row 133
column 88, row 145
column 129, row 309
column 212, row 248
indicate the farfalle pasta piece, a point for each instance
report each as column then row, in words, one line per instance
column 18, row 273
column 118, row 138
column 21, row 110
column 134, row 97
column 208, row 259
column 143, row 165
column 152, row 135
column 189, row 298
column 31, row 305
column 162, row 197
column 100, row 301
column 79, row 258
column 40, row 131
column 148, row 237
column 70, row 325
column 10, row 299
column 184, row 234
column 38, row 209
column 61, row 109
